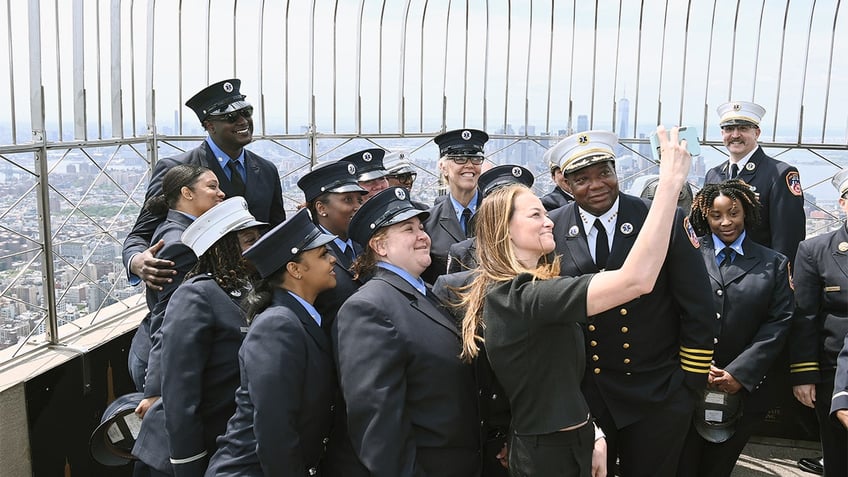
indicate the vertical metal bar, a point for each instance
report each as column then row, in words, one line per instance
column 58, row 72
column 615, row 73
column 638, row 65
column 115, row 70
column 829, row 69
column 527, row 73
column 358, row 80
column 571, row 70
column 260, row 40
column 79, row 71
column 208, row 38
column 152, row 133
column 235, row 40
column 662, row 60
column 132, row 68
column 550, row 73
column 180, row 68
column 486, row 72
column 335, row 64
column 286, row 68
column 594, row 68
column 401, row 90
column 709, row 65
column 445, row 69
column 40, row 140
column 804, row 72
column 780, row 71
column 757, row 49
column 380, row 70
column 508, row 47
column 421, row 72
column 98, row 63
column 465, row 72
column 683, row 74
column 733, row 52
column 11, row 48
column 312, row 126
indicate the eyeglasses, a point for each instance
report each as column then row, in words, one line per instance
column 405, row 178
column 743, row 128
column 234, row 116
column 476, row 160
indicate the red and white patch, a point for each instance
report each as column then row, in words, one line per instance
column 793, row 182
column 690, row 232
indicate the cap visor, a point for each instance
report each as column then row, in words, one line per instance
column 321, row 239
column 234, row 106
column 406, row 215
column 248, row 224
column 347, row 188
column 738, row 122
column 371, row 175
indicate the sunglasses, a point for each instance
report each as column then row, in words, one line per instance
column 234, row 116
column 476, row 160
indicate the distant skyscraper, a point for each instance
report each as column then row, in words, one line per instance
column 623, row 117
column 582, row 123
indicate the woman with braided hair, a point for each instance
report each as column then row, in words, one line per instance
column 202, row 330
column 753, row 301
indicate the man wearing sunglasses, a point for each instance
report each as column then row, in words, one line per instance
column 452, row 219
column 227, row 118
column 402, row 174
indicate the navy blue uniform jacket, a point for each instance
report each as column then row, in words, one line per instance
column 754, row 311
column 411, row 402
column 285, row 400
column 641, row 352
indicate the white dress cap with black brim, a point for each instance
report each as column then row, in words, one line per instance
column 229, row 216
column 336, row 176
column 740, row 113
column 583, row 150
column 369, row 164
column 285, row 241
column 398, row 162
column 840, row 181
column 388, row 207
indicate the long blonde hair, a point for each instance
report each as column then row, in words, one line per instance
column 497, row 262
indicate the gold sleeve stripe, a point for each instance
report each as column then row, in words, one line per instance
column 804, row 370
column 698, row 364
column 706, row 352
column 804, row 364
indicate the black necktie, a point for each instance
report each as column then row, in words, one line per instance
column 464, row 221
column 728, row 257
column 601, row 245
column 734, row 171
column 349, row 253
column 235, row 178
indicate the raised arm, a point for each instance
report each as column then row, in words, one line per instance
column 640, row 271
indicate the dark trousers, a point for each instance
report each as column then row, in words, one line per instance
column 651, row 446
column 707, row 459
column 834, row 437
column 560, row 454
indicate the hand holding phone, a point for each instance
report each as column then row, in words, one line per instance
column 688, row 133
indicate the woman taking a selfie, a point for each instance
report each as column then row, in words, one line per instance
column 530, row 318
